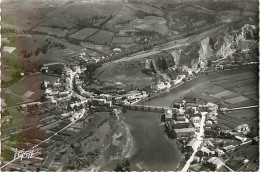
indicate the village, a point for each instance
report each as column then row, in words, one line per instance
column 192, row 123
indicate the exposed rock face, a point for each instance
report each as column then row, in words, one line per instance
column 225, row 45
column 194, row 64
column 205, row 53
column 176, row 55
column 226, row 48
column 236, row 41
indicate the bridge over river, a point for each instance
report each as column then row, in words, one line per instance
column 146, row 108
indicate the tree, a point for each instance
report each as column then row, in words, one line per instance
column 17, row 76
column 164, row 64
column 45, row 49
column 123, row 166
column 221, row 144
column 209, row 63
column 152, row 67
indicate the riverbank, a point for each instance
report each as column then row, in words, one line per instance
column 147, row 146
column 206, row 73
column 166, row 98
column 129, row 147
column 119, row 148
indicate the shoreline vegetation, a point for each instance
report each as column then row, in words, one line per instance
column 130, row 142
column 175, row 86
column 129, row 146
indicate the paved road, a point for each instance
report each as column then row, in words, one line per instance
column 197, row 143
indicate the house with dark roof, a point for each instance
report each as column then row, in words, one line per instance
column 183, row 132
column 191, row 145
column 216, row 161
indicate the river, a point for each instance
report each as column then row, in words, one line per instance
column 151, row 149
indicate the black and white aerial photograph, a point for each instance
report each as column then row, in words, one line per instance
column 129, row 85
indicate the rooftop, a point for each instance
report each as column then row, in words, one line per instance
column 181, row 130
column 192, row 142
column 215, row 160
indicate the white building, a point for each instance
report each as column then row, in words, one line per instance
column 64, row 94
column 178, row 79
column 99, row 101
column 216, row 161
column 195, row 119
column 168, row 114
column 161, row 86
column 220, row 152
column 56, row 84
column 116, row 50
column 48, row 91
column 242, row 139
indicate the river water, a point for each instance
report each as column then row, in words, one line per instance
column 151, row 149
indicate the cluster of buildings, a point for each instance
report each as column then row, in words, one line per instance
column 183, row 122
column 91, row 59
column 61, row 89
column 162, row 86
column 184, row 119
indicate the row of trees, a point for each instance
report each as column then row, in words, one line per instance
column 91, row 22
column 141, row 14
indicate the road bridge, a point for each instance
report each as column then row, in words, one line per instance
column 146, row 108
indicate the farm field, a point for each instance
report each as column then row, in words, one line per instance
column 127, row 73
column 146, row 8
column 242, row 90
column 25, row 91
column 84, row 33
column 232, row 91
column 102, row 37
column 6, row 74
column 60, row 14
column 128, row 13
column 102, row 48
column 252, row 154
column 123, row 15
column 149, row 23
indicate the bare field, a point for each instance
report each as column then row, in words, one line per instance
column 236, row 96
column 236, row 99
column 129, row 73
column 235, row 118
column 102, row 37
column 239, row 84
column 223, row 93
column 25, row 91
column 83, row 33
column 149, row 23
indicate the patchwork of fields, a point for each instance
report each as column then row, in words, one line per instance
column 232, row 91
column 238, row 88
column 102, row 37
column 26, row 90
column 83, row 33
